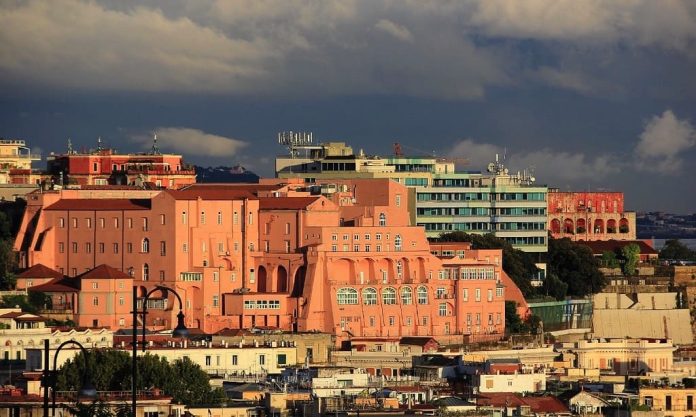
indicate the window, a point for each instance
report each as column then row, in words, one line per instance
column 356, row 248
column 367, row 236
column 184, row 247
column 130, row 223
column 398, row 200
column 162, row 219
column 478, row 294
column 219, row 217
column 287, row 246
column 88, row 223
column 424, row 320
column 95, row 285
column 216, row 300
column 183, row 217
column 74, row 247
column 490, row 295
column 397, row 243
column 163, row 248
column 101, row 247
column 347, row 296
column 392, row 320
column 145, row 224
column 262, row 359
column 146, row 272
column 161, row 275
column 287, row 229
column 373, row 321
column 490, row 319
column 95, row 301
column 121, row 300
column 202, row 217
column 334, row 248
column 378, row 248
column 369, row 296
column 367, row 248
column 61, row 247
column 74, row 222
column 145, row 246
column 235, row 218
column 203, row 248
column 422, row 295
column 235, row 360
column 442, row 309
column 115, row 247
column 251, row 218
column 378, row 236
column 207, row 360
column 382, row 219
column 61, row 222
column 282, row 359
column 102, row 222
column 116, row 222
column 406, row 296
column 465, row 295
column 399, row 268
column 389, row 296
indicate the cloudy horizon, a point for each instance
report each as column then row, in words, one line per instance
column 588, row 95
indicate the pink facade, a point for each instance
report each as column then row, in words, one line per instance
column 590, row 216
column 275, row 255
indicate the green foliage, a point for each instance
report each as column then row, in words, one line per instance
column 609, row 260
column 631, row 256
column 110, row 370
column 99, row 409
column 8, row 264
column 574, row 265
column 554, row 287
column 674, row 249
column 517, row 264
column 21, row 301
column 514, row 324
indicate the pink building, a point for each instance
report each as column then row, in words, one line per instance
column 339, row 259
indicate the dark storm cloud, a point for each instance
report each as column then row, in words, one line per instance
column 590, row 92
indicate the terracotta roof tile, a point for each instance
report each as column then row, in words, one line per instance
column 101, row 204
column 285, row 203
column 601, row 246
column 104, row 272
column 40, row 271
column 58, row 285
column 211, row 194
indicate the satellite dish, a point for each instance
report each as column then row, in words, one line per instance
column 491, row 167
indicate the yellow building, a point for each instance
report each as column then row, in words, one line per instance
column 674, row 402
column 14, row 155
column 625, row 356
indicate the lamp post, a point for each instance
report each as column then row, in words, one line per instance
column 179, row 331
column 48, row 379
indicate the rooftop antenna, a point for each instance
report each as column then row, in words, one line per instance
column 293, row 140
column 99, row 143
column 70, row 148
column 155, row 148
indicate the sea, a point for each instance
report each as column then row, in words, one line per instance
column 660, row 243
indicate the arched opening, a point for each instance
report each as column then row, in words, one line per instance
column 568, row 226
column 146, row 245
column 389, row 296
column 262, row 277
column 369, row 296
column 599, row 226
column 282, row 280
column 298, row 284
column 580, row 226
column 555, row 226
column 611, row 226
column 623, row 225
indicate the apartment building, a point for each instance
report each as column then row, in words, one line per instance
column 625, row 356
column 15, row 162
column 440, row 198
column 278, row 254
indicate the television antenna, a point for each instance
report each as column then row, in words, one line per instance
column 293, row 140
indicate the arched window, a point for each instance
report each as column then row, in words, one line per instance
column 382, row 219
column 146, row 272
column 347, row 296
column 422, row 295
column 389, row 296
column 369, row 296
column 397, row 243
column 406, row 296
column 399, row 268
column 146, row 245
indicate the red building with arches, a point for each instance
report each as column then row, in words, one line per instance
column 589, row 215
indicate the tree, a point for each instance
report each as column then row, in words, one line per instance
column 609, row 259
column 517, row 264
column 110, row 370
column 631, row 256
column 554, row 287
column 576, row 266
column 8, row 264
column 675, row 249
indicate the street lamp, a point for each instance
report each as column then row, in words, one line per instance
column 179, row 331
column 49, row 378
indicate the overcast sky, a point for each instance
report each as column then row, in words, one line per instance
column 588, row 94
